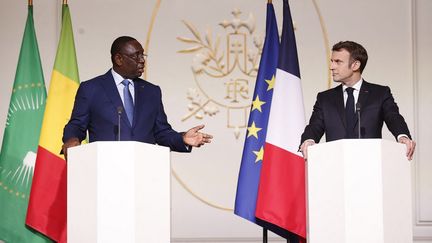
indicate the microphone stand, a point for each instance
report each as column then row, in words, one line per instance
column 358, row 108
column 119, row 112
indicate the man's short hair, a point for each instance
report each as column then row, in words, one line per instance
column 118, row 44
column 357, row 52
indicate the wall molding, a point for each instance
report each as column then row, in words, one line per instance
column 226, row 240
column 422, row 226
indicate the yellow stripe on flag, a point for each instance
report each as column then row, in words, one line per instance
column 57, row 112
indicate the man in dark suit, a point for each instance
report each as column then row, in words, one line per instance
column 119, row 103
column 334, row 112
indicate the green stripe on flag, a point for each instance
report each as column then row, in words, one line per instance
column 66, row 61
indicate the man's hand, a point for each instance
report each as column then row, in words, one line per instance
column 195, row 138
column 410, row 145
column 304, row 147
column 71, row 142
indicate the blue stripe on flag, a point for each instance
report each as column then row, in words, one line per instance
column 289, row 61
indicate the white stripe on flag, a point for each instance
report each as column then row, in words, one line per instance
column 287, row 119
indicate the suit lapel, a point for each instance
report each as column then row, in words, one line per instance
column 339, row 103
column 140, row 97
column 111, row 90
column 364, row 94
column 363, row 97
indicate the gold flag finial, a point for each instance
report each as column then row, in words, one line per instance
column 30, row 2
column 64, row 1
column 269, row 1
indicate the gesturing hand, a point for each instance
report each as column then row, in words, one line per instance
column 195, row 138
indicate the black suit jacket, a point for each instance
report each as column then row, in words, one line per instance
column 377, row 107
column 96, row 110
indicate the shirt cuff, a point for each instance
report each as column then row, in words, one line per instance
column 402, row 135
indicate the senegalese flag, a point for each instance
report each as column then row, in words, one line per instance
column 20, row 140
column 47, row 206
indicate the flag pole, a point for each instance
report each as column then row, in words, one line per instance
column 265, row 231
column 30, row 2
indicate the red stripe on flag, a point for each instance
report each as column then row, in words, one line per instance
column 281, row 194
column 47, row 204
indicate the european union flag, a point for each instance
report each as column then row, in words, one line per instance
column 249, row 175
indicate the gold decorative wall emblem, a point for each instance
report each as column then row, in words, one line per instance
column 202, row 101
column 224, row 69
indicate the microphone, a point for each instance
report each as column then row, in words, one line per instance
column 358, row 108
column 119, row 113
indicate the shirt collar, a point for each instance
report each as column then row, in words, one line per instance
column 356, row 86
column 118, row 78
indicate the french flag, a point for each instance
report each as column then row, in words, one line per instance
column 281, row 199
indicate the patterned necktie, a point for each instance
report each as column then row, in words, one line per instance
column 128, row 102
column 350, row 114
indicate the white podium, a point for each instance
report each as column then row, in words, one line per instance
column 118, row 192
column 359, row 190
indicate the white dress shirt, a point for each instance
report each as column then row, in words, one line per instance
column 356, row 92
column 118, row 79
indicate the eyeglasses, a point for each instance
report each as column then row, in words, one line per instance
column 136, row 57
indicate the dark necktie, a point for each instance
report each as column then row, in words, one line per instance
column 128, row 102
column 350, row 114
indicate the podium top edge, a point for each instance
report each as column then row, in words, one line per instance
column 120, row 143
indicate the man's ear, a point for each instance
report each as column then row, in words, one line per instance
column 356, row 65
column 118, row 59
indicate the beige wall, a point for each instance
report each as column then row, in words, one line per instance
column 396, row 34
